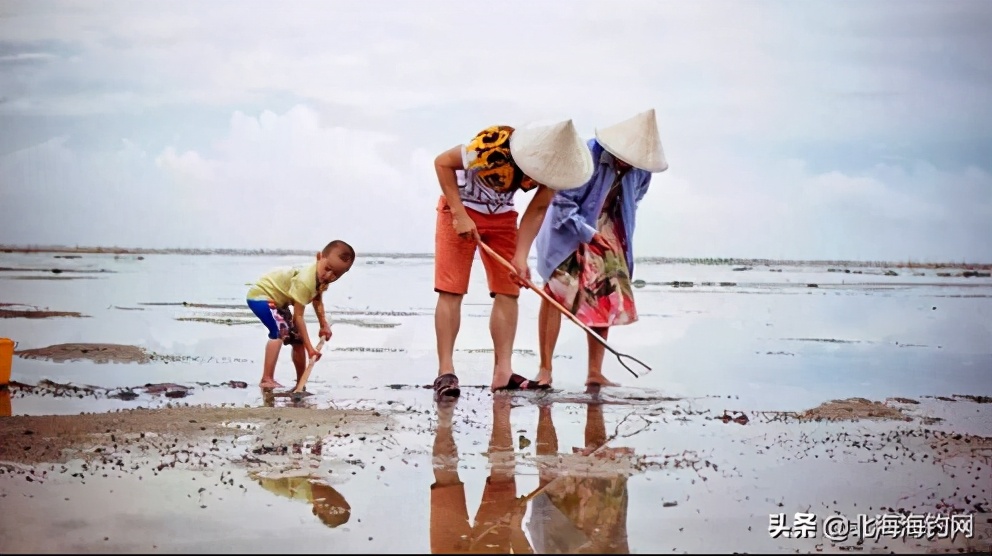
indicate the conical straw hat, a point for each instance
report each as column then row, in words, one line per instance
column 553, row 155
column 636, row 142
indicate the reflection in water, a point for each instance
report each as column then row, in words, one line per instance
column 579, row 512
column 576, row 508
column 498, row 521
column 268, row 397
column 5, row 406
column 328, row 504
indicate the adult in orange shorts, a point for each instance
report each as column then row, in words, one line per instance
column 496, row 163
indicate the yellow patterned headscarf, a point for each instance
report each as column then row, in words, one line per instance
column 492, row 162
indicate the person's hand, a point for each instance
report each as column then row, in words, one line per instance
column 522, row 274
column 465, row 226
column 599, row 241
column 325, row 332
column 312, row 353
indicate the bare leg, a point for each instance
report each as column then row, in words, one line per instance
column 596, row 352
column 268, row 398
column 500, row 515
column 449, row 523
column 501, row 455
column 548, row 327
column 299, row 361
column 595, row 426
column 547, row 444
column 272, row 348
column 503, row 327
column 447, row 321
column 445, row 451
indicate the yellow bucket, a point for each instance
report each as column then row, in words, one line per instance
column 6, row 360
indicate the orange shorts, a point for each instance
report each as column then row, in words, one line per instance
column 453, row 254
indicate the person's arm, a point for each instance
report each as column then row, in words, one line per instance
column 565, row 212
column 325, row 325
column 445, row 166
column 530, row 224
column 642, row 189
column 301, row 326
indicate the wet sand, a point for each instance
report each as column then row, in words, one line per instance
column 98, row 353
column 844, row 399
column 6, row 312
column 45, row 439
column 263, row 477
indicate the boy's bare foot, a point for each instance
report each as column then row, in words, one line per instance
column 270, row 383
column 597, row 379
column 544, row 377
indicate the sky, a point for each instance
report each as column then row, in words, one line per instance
column 793, row 130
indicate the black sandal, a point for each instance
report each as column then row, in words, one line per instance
column 446, row 385
column 518, row 382
column 539, row 386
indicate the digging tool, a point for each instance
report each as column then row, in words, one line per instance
column 569, row 314
column 297, row 393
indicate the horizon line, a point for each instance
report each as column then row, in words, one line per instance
column 116, row 250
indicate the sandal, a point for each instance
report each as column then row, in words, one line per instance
column 539, row 386
column 446, row 385
column 518, row 382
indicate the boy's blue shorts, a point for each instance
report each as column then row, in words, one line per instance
column 278, row 320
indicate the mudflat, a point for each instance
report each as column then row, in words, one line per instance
column 774, row 407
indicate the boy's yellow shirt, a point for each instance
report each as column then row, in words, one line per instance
column 283, row 286
column 297, row 488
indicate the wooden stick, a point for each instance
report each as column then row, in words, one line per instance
column 563, row 310
column 544, row 294
column 306, row 374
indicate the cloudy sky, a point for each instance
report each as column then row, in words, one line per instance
column 856, row 130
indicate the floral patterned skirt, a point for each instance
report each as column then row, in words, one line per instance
column 594, row 283
column 596, row 507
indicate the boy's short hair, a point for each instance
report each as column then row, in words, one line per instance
column 347, row 251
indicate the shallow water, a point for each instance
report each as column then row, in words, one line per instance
column 701, row 484
column 769, row 339
column 768, row 343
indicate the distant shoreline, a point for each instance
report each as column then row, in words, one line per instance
column 57, row 249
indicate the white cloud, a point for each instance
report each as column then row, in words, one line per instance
column 714, row 71
column 292, row 180
column 786, row 211
column 278, row 181
column 381, row 87
column 54, row 195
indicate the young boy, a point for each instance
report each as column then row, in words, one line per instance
column 274, row 293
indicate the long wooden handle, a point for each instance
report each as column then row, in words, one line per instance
column 306, row 374
column 547, row 297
